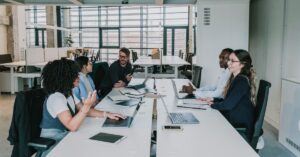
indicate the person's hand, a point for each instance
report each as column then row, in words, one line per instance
column 88, row 102
column 115, row 116
column 209, row 100
column 128, row 77
column 119, row 84
column 188, row 89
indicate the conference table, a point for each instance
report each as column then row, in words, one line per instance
column 212, row 137
column 173, row 61
column 14, row 75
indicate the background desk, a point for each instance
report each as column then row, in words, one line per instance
column 137, row 143
column 173, row 61
column 213, row 137
column 14, row 76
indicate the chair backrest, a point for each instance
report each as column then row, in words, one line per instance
column 99, row 71
column 134, row 56
column 27, row 116
column 260, row 109
column 196, row 75
column 5, row 58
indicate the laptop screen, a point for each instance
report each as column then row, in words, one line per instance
column 164, row 104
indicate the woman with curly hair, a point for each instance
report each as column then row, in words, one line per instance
column 239, row 93
column 62, row 112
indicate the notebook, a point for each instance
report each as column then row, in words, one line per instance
column 106, row 137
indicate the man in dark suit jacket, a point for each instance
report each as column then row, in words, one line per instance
column 118, row 74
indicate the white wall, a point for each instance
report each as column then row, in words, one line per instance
column 275, row 45
column 266, row 41
column 229, row 28
column 291, row 56
column 3, row 32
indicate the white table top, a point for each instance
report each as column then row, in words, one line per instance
column 166, row 60
column 213, row 137
column 22, row 63
column 136, row 144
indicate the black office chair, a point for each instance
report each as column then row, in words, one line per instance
column 24, row 132
column 5, row 58
column 259, row 113
column 134, row 58
column 99, row 71
column 196, row 76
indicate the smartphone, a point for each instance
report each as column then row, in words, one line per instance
column 172, row 127
column 132, row 71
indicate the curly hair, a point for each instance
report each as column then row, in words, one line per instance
column 59, row 75
column 248, row 71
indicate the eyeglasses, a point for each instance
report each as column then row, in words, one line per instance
column 232, row 61
column 120, row 56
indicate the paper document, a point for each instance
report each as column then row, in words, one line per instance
column 194, row 101
column 193, row 106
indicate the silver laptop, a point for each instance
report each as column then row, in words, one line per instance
column 180, row 118
column 180, row 95
column 139, row 86
column 122, row 122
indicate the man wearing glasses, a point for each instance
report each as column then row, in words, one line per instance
column 118, row 74
column 217, row 89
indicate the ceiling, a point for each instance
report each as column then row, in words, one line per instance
column 95, row 2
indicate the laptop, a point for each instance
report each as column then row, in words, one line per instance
column 122, row 122
column 138, row 86
column 180, row 118
column 180, row 95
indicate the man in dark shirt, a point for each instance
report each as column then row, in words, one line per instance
column 118, row 74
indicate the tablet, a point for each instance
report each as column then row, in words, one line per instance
column 106, row 137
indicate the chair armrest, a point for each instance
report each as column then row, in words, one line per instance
column 41, row 143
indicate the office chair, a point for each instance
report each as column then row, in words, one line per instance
column 24, row 132
column 196, row 76
column 259, row 113
column 5, row 58
column 99, row 71
column 134, row 58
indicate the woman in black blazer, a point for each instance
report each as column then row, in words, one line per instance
column 239, row 93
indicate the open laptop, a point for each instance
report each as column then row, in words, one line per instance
column 180, row 95
column 138, row 86
column 122, row 122
column 180, row 118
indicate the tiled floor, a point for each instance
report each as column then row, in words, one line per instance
column 272, row 147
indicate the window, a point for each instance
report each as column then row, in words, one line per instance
column 139, row 28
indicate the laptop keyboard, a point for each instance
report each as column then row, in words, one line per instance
column 177, row 118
